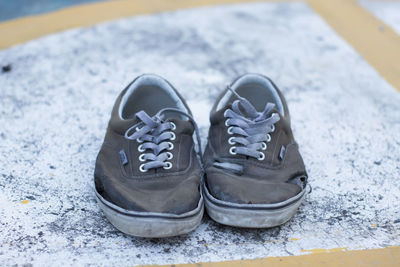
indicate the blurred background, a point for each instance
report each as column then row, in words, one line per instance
column 63, row 63
column 11, row 9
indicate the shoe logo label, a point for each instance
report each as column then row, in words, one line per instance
column 123, row 157
column 282, row 152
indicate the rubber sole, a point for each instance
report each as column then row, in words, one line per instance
column 150, row 224
column 251, row 215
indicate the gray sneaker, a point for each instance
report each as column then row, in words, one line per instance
column 255, row 176
column 147, row 175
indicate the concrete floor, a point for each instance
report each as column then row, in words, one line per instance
column 56, row 101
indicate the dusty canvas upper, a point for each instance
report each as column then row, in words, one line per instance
column 169, row 181
column 251, row 156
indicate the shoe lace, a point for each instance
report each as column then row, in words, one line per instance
column 250, row 129
column 154, row 135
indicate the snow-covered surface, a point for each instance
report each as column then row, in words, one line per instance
column 56, row 101
column 388, row 11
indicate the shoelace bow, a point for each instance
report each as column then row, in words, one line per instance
column 155, row 135
column 251, row 129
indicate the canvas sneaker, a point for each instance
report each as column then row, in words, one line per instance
column 147, row 174
column 255, row 175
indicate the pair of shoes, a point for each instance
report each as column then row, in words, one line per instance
column 152, row 181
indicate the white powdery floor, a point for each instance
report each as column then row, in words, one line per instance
column 56, row 101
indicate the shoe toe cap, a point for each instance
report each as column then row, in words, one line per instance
column 174, row 197
column 242, row 189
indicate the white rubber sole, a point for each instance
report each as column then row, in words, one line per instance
column 151, row 224
column 251, row 215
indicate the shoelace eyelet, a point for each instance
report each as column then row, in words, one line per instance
column 169, row 155
column 230, row 141
column 141, row 149
column 226, row 123
column 272, row 128
column 168, row 166
column 261, row 156
column 142, row 169
column 173, row 136
column 264, row 146
column 229, row 131
column 173, row 126
column 170, row 146
column 137, row 130
column 141, row 158
column 232, row 150
column 268, row 138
